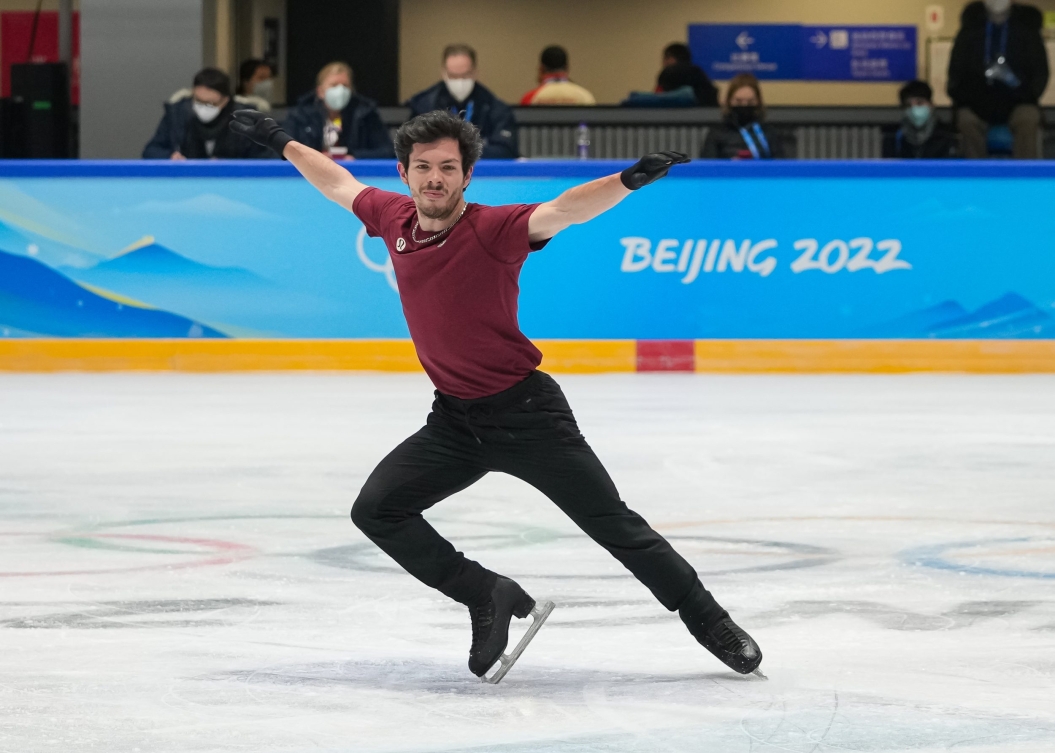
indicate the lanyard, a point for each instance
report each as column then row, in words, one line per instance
column 761, row 142
column 989, row 41
column 468, row 112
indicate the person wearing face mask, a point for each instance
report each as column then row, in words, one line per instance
column 997, row 73
column 335, row 120
column 921, row 134
column 256, row 84
column 459, row 93
column 195, row 122
column 742, row 134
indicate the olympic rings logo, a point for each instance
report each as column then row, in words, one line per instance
column 384, row 267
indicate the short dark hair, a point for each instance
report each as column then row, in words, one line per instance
column 459, row 49
column 248, row 69
column 916, row 88
column 215, row 79
column 554, row 58
column 433, row 126
column 678, row 51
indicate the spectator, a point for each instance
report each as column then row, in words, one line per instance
column 460, row 92
column 195, row 123
column 742, row 134
column 334, row 120
column 256, row 84
column 679, row 71
column 921, row 135
column 554, row 86
column 997, row 72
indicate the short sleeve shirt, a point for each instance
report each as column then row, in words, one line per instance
column 460, row 293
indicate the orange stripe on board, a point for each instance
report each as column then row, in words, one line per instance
column 207, row 355
column 876, row 356
column 559, row 356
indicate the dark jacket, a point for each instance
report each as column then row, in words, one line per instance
column 491, row 115
column 676, row 76
column 179, row 130
column 940, row 144
column 1025, row 55
column 361, row 128
column 725, row 141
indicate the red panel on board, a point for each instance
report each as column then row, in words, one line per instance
column 666, row 355
column 16, row 31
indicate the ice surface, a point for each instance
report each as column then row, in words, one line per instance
column 178, row 571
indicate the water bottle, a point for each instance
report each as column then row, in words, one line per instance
column 583, row 141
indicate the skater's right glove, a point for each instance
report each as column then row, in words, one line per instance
column 651, row 168
column 260, row 129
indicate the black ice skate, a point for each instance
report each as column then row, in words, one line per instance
column 728, row 641
column 491, row 628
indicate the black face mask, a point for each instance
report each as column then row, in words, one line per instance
column 744, row 115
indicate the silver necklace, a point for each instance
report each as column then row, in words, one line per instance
column 431, row 238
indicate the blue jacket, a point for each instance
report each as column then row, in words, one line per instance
column 172, row 132
column 363, row 132
column 487, row 112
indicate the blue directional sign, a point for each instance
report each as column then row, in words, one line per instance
column 769, row 51
column 810, row 53
column 859, row 53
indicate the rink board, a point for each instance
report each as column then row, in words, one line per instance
column 823, row 266
column 559, row 356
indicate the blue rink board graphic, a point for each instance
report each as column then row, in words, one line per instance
column 794, row 250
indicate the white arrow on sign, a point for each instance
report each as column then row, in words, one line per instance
column 820, row 39
column 744, row 40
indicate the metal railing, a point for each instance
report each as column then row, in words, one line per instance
column 814, row 133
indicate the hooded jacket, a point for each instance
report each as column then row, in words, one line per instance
column 362, row 130
column 491, row 115
column 178, row 118
column 1025, row 55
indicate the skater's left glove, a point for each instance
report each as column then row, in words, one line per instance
column 651, row 168
column 260, row 129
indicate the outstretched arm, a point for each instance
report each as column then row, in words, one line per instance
column 334, row 182
column 583, row 203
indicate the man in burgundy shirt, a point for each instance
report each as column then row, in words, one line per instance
column 457, row 266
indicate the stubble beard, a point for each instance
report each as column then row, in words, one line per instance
column 446, row 211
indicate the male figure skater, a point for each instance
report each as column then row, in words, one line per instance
column 457, row 266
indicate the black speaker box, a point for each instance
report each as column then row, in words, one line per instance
column 42, row 92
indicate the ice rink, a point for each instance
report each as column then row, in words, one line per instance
column 178, row 571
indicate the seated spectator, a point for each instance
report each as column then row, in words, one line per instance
column 460, row 93
column 679, row 71
column 921, row 135
column 334, row 120
column 742, row 134
column 256, row 84
column 997, row 72
column 554, row 86
column 195, row 123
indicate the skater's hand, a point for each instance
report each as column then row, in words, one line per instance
column 259, row 128
column 651, row 168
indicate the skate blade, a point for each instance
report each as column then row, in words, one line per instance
column 506, row 661
column 759, row 673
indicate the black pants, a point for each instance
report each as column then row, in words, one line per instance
column 527, row 431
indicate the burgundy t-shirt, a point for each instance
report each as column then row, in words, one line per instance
column 459, row 293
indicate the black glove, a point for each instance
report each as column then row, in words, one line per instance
column 259, row 128
column 650, row 168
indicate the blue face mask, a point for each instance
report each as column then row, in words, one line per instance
column 918, row 115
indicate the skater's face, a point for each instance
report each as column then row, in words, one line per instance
column 435, row 177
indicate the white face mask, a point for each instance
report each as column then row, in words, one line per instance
column 460, row 88
column 998, row 7
column 338, row 97
column 264, row 89
column 206, row 113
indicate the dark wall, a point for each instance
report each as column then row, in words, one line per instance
column 363, row 33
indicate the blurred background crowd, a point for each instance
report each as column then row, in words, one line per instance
column 988, row 103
